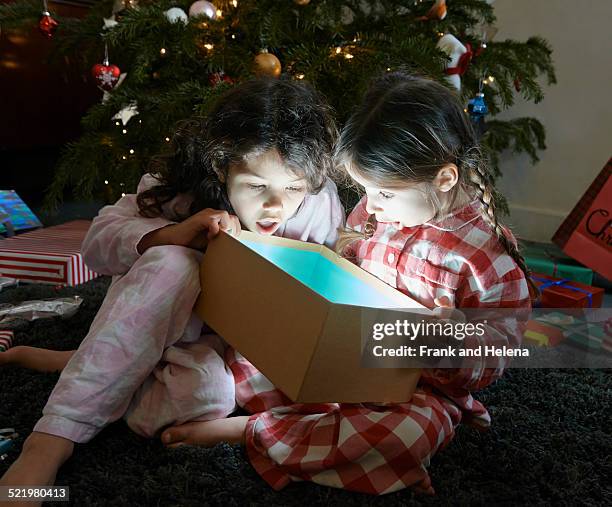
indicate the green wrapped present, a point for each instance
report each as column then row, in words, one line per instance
column 549, row 259
column 588, row 335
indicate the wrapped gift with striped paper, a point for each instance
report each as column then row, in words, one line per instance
column 6, row 339
column 51, row 255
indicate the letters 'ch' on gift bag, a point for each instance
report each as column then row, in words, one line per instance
column 586, row 234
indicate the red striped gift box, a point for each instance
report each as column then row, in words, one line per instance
column 6, row 340
column 50, row 255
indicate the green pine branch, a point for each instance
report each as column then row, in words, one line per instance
column 175, row 83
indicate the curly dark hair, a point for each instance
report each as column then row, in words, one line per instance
column 251, row 118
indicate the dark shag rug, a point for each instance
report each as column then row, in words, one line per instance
column 550, row 442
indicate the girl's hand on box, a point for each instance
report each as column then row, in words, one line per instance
column 193, row 232
column 197, row 230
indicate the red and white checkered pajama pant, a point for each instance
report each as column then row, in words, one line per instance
column 368, row 448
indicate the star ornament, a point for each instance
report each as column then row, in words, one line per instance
column 127, row 113
column 110, row 22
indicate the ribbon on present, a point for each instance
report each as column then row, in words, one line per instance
column 548, row 259
column 555, row 261
column 563, row 284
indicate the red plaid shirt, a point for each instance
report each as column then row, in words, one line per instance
column 363, row 446
column 458, row 257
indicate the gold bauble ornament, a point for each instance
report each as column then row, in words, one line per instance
column 266, row 64
column 301, row 2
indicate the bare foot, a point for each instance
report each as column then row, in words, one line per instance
column 232, row 430
column 6, row 357
column 206, row 433
column 39, row 461
column 35, row 358
column 424, row 487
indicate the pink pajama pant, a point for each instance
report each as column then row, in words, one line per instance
column 145, row 360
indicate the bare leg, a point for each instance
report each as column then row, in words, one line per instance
column 206, row 433
column 40, row 459
column 36, row 358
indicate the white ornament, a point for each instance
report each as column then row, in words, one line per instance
column 176, row 14
column 453, row 48
column 127, row 112
column 110, row 22
column 203, row 8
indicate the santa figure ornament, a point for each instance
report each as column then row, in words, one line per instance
column 460, row 57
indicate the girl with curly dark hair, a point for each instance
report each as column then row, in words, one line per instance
column 259, row 160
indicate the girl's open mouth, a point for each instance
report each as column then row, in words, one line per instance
column 267, row 226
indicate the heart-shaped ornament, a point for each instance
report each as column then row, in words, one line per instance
column 106, row 75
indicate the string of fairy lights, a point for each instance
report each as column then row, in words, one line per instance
column 202, row 12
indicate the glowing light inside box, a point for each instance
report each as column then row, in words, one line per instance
column 323, row 276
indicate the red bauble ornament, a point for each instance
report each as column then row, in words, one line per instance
column 218, row 78
column 517, row 84
column 106, row 75
column 47, row 24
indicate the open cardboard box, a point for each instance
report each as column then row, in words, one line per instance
column 293, row 309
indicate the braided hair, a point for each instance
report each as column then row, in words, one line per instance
column 407, row 128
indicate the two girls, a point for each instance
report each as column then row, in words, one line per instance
column 427, row 226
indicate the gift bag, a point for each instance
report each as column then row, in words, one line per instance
column 586, row 234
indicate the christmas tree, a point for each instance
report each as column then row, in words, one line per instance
column 158, row 62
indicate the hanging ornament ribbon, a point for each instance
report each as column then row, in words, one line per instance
column 464, row 62
column 47, row 25
column 105, row 74
column 487, row 32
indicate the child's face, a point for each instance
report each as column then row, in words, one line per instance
column 264, row 192
column 401, row 207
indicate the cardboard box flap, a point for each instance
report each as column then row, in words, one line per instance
column 262, row 313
